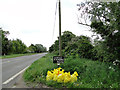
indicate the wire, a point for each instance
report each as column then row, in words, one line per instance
column 55, row 19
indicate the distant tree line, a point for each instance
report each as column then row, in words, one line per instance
column 37, row 48
column 17, row 46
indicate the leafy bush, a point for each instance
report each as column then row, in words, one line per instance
column 100, row 52
column 85, row 50
column 79, row 46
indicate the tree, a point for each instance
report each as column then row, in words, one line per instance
column 81, row 46
column 51, row 49
column 65, row 38
column 105, row 20
column 11, row 46
column 5, row 41
column 44, row 49
column 18, row 46
column 73, row 45
column 37, row 48
column 32, row 48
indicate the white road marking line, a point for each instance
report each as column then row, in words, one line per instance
column 7, row 81
column 14, row 87
column 6, row 62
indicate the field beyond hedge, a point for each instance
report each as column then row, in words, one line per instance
column 91, row 74
column 16, row 55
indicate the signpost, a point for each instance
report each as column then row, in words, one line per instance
column 58, row 59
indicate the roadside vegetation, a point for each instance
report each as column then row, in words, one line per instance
column 15, row 55
column 91, row 74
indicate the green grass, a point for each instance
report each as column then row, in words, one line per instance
column 15, row 55
column 92, row 74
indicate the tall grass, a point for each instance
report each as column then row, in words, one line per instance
column 39, row 68
column 92, row 74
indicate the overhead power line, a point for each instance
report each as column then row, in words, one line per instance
column 55, row 18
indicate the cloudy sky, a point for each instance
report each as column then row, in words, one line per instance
column 32, row 21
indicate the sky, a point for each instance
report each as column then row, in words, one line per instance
column 32, row 21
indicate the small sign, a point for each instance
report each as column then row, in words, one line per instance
column 58, row 59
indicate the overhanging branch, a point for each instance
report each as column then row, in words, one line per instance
column 83, row 24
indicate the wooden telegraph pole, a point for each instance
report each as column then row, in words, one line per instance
column 59, row 59
column 60, row 53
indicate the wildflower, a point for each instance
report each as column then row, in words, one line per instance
column 60, row 76
column 55, row 72
column 67, row 77
column 75, row 73
column 73, row 78
column 49, row 73
column 49, row 76
column 59, row 68
column 55, row 77
column 61, row 72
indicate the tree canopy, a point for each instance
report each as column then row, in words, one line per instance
column 73, row 45
column 105, row 21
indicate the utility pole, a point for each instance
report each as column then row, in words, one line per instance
column 59, row 59
column 60, row 53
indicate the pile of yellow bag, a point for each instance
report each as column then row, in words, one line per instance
column 60, row 76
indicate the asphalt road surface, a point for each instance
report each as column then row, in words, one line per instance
column 13, row 66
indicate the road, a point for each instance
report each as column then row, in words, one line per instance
column 13, row 66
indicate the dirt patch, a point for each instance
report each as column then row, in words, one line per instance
column 21, row 84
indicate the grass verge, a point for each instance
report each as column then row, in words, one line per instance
column 15, row 55
column 92, row 74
